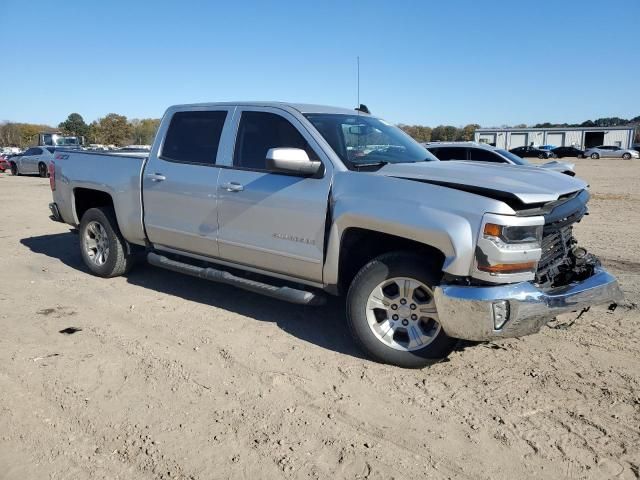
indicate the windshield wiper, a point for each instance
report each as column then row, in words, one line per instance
column 357, row 165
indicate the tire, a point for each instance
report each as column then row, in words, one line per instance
column 103, row 249
column 14, row 169
column 626, row 156
column 386, row 270
column 595, row 156
column 42, row 170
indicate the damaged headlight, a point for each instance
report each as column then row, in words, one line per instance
column 508, row 248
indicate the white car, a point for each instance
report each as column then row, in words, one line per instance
column 611, row 151
column 35, row 160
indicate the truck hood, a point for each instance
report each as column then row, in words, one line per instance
column 527, row 185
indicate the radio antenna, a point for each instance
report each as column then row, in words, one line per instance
column 358, row 80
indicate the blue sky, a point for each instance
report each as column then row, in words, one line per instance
column 451, row 62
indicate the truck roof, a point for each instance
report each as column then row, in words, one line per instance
column 301, row 107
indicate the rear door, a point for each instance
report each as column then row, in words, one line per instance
column 31, row 161
column 180, row 181
column 268, row 220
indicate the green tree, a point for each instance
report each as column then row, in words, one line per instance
column 112, row 129
column 420, row 133
column 74, row 125
column 144, row 130
column 466, row 133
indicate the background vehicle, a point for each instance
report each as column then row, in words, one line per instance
column 561, row 152
column 35, row 160
column 524, row 152
column 313, row 200
column 4, row 164
column 48, row 139
column 547, row 147
column 611, row 151
column 482, row 152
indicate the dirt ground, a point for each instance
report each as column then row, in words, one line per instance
column 157, row 375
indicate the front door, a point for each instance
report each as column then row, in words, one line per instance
column 180, row 181
column 272, row 221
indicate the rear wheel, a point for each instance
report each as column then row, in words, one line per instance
column 14, row 169
column 42, row 170
column 102, row 246
column 540, row 156
column 392, row 313
column 595, row 156
column 626, row 156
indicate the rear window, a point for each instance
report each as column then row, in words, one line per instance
column 194, row 137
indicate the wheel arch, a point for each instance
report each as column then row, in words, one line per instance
column 86, row 198
column 360, row 245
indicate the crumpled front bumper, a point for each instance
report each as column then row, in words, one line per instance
column 467, row 312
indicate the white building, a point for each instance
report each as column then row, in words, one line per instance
column 579, row 137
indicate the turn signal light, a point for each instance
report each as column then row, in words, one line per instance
column 509, row 267
column 492, row 230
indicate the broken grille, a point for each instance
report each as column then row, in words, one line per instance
column 556, row 249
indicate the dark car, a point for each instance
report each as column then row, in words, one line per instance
column 568, row 152
column 524, row 152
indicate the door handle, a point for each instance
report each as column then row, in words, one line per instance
column 156, row 177
column 232, row 187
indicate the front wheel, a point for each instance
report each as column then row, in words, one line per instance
column 102, row 246
column 42, row 170
column 392, row 314
column 14, row 169
column 626, row 156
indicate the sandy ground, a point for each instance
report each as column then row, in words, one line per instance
column 168, row 376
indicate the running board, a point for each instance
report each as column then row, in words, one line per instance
column 287, row 294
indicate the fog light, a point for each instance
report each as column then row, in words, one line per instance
column 500, row 314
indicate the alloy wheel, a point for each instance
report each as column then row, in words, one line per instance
column 96, row 243
column 402, row 314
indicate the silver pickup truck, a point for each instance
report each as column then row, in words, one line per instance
column 300, row 201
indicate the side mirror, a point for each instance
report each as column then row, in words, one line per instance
column 291, row 160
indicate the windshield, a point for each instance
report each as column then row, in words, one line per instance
column 361, row 140
column 513, row 157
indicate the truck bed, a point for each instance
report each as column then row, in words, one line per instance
column 117, row 174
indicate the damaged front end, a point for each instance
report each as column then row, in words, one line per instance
column 565, row 279
column 562, row 260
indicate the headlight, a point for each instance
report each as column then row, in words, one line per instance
column 508, row 248
column 513, row 234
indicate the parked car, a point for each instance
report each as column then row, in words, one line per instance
column 300, row 201
column 561, row 152
column 611, row 151
column 547, row 147
column 34, row 161
column 481, row 152
column 524, row 152
column 4, row 164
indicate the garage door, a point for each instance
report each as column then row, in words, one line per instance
column 517, row 140
column 556, row 139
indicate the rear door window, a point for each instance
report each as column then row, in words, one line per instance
column 194, row 137
column 450, row 153
column 482, row 155
column 260, row 131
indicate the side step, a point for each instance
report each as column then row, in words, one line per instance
column 287, row 294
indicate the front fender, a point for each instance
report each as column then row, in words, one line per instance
column 441, row 217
